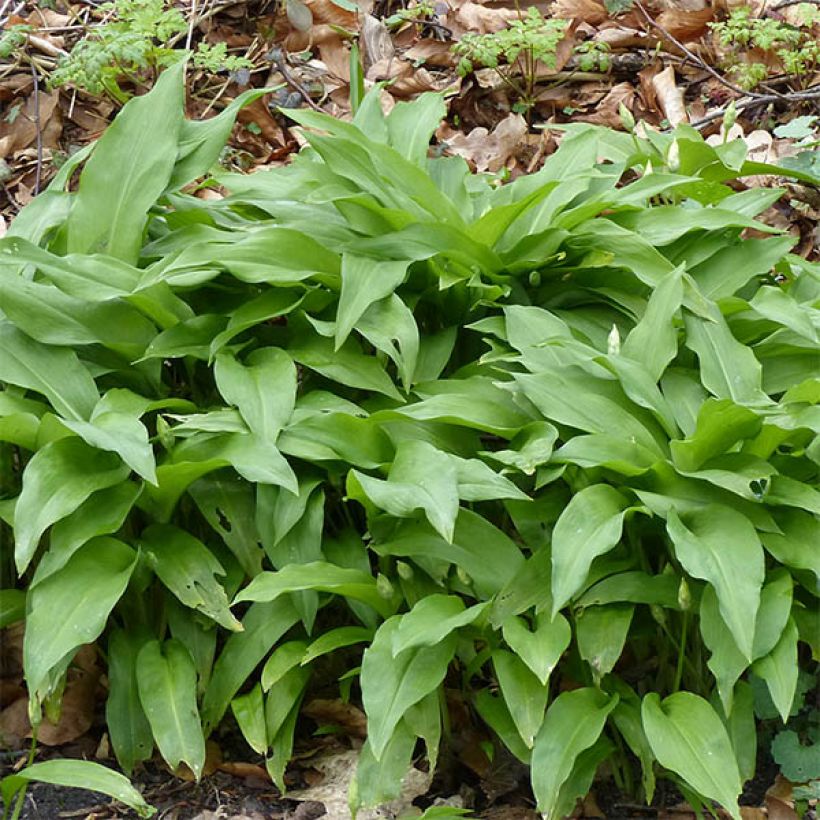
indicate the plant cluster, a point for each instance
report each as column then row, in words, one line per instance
column 133, row 46
column 795, row 47
column 516, row 52
column 377, row 423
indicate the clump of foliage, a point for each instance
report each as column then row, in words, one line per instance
column 514, row 52
column 796, row 47
column 13, row 38
column 551, row 444
column 133, row 46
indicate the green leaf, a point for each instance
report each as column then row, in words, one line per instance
column 421, row 477
column 70, row 773
column 541, row 648
column 128, row 727
column 779, row 669
column 431, row 620
column 573, row 723
column 318, row 575
column 654, row 340
column 166, row 679
column 335, row 639
column 187, row 567
column 12, row 606
column 689, row 738
column 391, row 685
column 364, row 281
column 264, row 391
column 285, row 657
column 249, row 711
column 56, row 481
column 494, row 712
column 263, row 625
column 524, row 694
column 719, row 545
column 55, row 372
column 228, row 506
column 411, row 126
column 139, row 151
column 84, row 592
column 589, row 526
column 728, row 369
column 601, row 632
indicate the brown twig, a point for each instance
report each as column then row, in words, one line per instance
column 277, row 57
column 699, row 61
column 783, row 3
column 37, row 124
column 811, row 93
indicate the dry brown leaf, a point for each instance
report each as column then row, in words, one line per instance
column 258, row 112
column 483, row 19
column 686, row 25
column 77, row 712
column 377, row 44
column 490, row 151
column 22, row 130
column 752, row 813
column 779, row 801
column 336, row 57
column 432, row 52
column 337, row 712
column 244, row 770
column 326, row 11
column 670, row 97
column 588, row 11
column 607, row 111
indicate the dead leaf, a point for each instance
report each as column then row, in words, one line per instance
column 22, row 130
column 686, row 25
column 607, row 111
column 213, row 762
column 258, row 113
column 377, row 44
column 432, row 52
column 670, row 97
column 752, row 813
column 779, row 802
column 490, row 151
column 77, row 712
column 339, row 713
column 588, row 11
column 483, row 19
column 328, row 12
column 244, row 770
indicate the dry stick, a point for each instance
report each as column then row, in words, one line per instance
column 191, row 23
column 811, row 93
column 37, row 124
column 699, row 61
column 276, row 56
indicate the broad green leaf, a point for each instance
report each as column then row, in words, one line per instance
column 264, row 390
column 689, row 738
column 588, row 527
column 728, row 369
column 387, row 321
column 391, row 685
column 379, row 779
column 421, row 477
column 188, row 569
column 364, row 281
column 482, row 551
column 83, row 592
column 55, row 372
column 524, row 694
column 633, row 587
column 654, row 340
column 540, row 649
column 263, row 625
column 742, row 728
column 475, row 402
column 102, row 513
column 792, row 546
column 228, row 506
column 166, row 679
column 719, row 545
column 347, row 365
column 335, row 639
column 531, row 447
column 574, row 722
column 285, row 657
column 318, row 575
column 775, row 304
column 779, row 669
column 411, row 126
column 56, row 481
column 627, row 719
column 190, row 337
column 249, row 711
column 601, row 632
column 197, row 633
column 128, row 727
column 55, row 318
column 431, row 620
column 121, row 434
column 139, row 151
column 720, row 424
column 494, row 712
column 93, row 776
column 281, row 710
